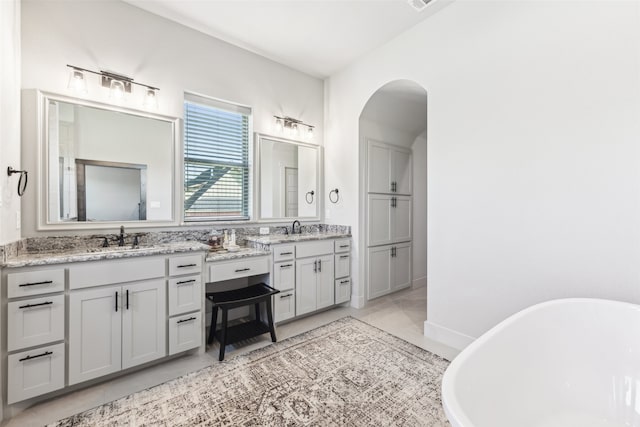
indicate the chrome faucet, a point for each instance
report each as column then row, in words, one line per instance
column 293, row 227
column 121, row 238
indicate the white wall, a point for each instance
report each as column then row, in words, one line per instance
column 533, row 173
column 9, row 118
column 117, row 36
column 419, row 243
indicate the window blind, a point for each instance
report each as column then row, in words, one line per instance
column 216, row 162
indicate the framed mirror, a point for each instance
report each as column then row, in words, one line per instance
column 105, row 165
column 288, row 182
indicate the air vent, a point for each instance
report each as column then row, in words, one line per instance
column 418, row 5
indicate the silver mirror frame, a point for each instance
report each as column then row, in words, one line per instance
column 258, row 137
column 42, row 166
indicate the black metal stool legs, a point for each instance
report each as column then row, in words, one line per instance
column 214, row 320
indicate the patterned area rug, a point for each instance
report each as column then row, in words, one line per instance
column 344, row 373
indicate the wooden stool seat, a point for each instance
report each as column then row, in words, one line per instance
column 225, row 300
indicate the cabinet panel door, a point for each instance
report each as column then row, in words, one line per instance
column 343, row 265
column 402, row 174
column 284, row 306
column 143, row 322
column 402, row 267
column 379, row 219
column 343, row 290
column 378, row 167
column 379, row 273
column 95, row 324
column 401, row 219
column 325, row 286
column 35, row 321
column 185, row 294
column 284, row 275
column 185, row 332
column 35, row 372
column 306, row 277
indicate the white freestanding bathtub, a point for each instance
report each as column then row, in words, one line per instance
column 562, row 363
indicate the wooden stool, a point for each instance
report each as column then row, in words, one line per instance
column 251, row 295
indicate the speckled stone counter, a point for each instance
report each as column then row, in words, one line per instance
column 114, row 252
column 273, row 239
column 242, row 253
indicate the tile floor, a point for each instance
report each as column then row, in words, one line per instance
column 401, row 314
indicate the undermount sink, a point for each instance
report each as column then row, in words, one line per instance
column 117, row 249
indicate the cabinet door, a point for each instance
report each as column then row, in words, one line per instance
column 95, row 324
column 143, row 322
column 185, row 332
column 325, row 286
column 284, row 275
column 401, row 219
column 35, row 372
column 306, row 277
column 379, row 273
column 284, row 306
column 378, row 167
column 401, row 267
column 35, row 321
column 343, row 265
column 379, row 219
column 185, row 294
column 343, row 290
column 402, row 173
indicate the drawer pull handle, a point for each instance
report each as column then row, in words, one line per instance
column 286, row 253
column 187, row 265
column 36, row 305
column 46, row 282
column 344, row 256
column 182, row 282
column 46, row 353
column 344, row 246
column 342, row 282
column 286, row 296
column 186, row 320
column 286, row 265
column 242, row 269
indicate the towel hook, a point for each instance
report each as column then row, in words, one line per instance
column 22, row 186
column 306, row 196
column 337, row 197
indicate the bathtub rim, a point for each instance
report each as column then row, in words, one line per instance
column 452, row 408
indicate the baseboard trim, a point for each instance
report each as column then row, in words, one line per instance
column 420, row 282
column 357, row 301
column 446, row 336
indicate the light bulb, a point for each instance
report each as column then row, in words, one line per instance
column 310, row 133
column 294, row 130
column 77, row 82
column 279, row 126
column 151, row 98
column 117, row 89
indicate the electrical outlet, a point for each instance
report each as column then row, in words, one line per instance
column 18, row 220
column 264, row 230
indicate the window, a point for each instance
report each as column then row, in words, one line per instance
column 216, row 160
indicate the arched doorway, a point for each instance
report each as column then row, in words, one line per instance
column 393, row 183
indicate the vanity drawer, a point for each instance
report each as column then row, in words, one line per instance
column 185, row 294
column 283, row 253
column 343, row 265
column 185, row 332
column 187, row 264
column 35, row 372
column 284, row 306
column 342, row 245
column 226, row 270
column 88, row 274
column 343, row 290
column 284, row 275
column 28, row 283
column 35, row 321
column 308, row 249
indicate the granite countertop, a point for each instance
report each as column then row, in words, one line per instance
column 97, row 254
column 273, row 239
column 242, row 253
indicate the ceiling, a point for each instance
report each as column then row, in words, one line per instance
column 318, row 37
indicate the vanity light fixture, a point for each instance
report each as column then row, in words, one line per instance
column 291, row 127
column 118, row 84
